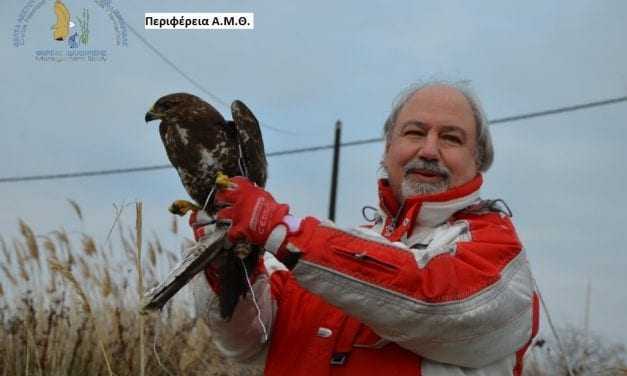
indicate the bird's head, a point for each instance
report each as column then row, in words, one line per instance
column 167, row 106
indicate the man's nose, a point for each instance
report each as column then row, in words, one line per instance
column 429, row 149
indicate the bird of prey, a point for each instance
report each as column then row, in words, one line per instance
column 200, row 143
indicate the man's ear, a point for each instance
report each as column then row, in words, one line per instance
column 477, row 159
column 383, row 170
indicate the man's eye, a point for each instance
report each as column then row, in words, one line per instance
column 414, row 132
column 452, row 139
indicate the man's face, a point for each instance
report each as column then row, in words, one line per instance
column 432, row 145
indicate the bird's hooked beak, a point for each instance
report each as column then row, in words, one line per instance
column 152, row 115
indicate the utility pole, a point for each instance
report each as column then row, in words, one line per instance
column 334, row 172
column 586, row 323
column 587, row 315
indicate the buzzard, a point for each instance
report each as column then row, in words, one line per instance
column 200, row 143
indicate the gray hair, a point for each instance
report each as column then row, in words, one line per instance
column 485, row 150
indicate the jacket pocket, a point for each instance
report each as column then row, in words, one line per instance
column 365, row 258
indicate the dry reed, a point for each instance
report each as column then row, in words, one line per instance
column 45, row 331
column 140, row 285
column 77, row 208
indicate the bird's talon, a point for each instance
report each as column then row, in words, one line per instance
column 222, row 180
column 181, row 207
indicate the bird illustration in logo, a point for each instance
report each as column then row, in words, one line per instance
column 72, row 41
column 61, row 29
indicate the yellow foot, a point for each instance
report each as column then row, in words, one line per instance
column 181, row 207
column 222, row 181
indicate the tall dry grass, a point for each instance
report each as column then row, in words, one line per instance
column 69, row 306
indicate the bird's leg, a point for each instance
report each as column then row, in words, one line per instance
column 181, row 207
column 222, row 180
column 241, row 250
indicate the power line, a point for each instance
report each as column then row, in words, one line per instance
column 129, row 170
column 559, row 110
column 174, row 66
column 309, row 149
column 81, row 174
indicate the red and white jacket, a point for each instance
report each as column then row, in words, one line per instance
column 439, row 286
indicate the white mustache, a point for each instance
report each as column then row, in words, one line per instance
column 430, row 166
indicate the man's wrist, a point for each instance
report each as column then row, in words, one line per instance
column 289, row 225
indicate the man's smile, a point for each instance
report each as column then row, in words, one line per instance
column 427, row 176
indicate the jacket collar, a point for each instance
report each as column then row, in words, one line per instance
column 424, row 210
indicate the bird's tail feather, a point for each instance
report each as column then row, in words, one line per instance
column 232, row 278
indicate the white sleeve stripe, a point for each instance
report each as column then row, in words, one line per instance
column 474, row 331
column 275, row 239
column 503, row 367
column 509, row 272
column 272, row 264
column 241, row 338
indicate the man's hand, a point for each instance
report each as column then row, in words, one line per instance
column 200, row 223
column 254, row 215
column 252, row 212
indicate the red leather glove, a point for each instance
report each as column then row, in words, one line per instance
column 252, row 212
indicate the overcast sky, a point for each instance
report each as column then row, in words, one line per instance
column 305, row 65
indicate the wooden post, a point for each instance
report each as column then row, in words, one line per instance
column 334, row 172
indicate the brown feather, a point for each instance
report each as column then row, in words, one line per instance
column 200, row 143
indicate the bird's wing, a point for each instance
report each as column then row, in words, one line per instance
column 251, row 140
column 195, row 138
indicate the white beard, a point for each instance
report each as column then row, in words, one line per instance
column 410, row 187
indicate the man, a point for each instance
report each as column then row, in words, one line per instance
column 438, row 285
